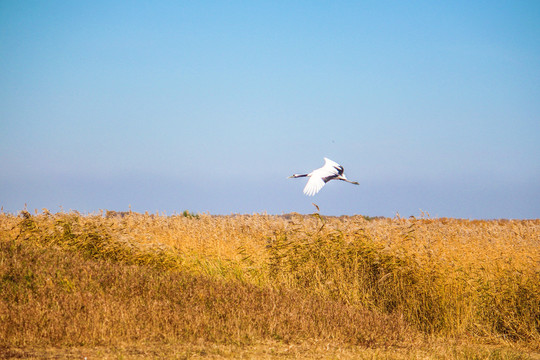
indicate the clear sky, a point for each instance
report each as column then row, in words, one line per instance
column 209, row 105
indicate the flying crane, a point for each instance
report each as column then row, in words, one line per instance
column 317, row 178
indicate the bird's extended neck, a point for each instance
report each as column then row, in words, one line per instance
column 298, row 175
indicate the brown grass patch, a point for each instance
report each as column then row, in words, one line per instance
column 51, row 297
column 74, row 280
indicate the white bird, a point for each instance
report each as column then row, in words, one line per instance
column 317, row 178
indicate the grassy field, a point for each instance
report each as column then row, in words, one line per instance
column 128, row 285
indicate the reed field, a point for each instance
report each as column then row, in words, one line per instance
column 129, row 285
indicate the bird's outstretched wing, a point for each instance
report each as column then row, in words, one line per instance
column 313, row 186
column 332, row 168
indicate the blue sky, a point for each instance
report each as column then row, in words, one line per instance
column 208, row 106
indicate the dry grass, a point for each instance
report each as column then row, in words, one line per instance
column 53, row 297
column 269, row 350
column 259, row 282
